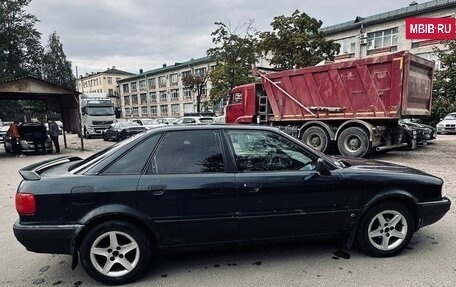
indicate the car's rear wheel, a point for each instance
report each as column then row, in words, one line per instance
column 386, row 229
column 115, row 252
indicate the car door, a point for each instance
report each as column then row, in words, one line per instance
column 280, row 192
column 187, row 192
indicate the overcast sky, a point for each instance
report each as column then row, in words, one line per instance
column 134, row 34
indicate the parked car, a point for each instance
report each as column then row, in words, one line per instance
column 3, row 130
column 122, row 130
column 200, row 114
column 148, row 123
column 219, row 120
column 166, row 121
column 196, row 185
column 447, row 124
column 424, row 133
column 27, row 131
column 194, row 121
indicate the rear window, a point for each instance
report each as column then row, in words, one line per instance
column 206, row 120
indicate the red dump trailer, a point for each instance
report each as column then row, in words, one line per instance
column 353, row 105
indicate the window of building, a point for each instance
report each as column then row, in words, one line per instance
column 347, row 45
column 151, row 83
column 187, row 94
column 163, row 96
column 125, row 88
column 201, row 72
column 135, row 111
column 188, row 108
column 127, row 100
column 186, row 73
column 164, row 110
column 133, row 87
column 188, row 152
column 134, row 99
column 153, row 97
column 385, row 38
column 175, row 110
column 127, row 111
column 153, row 111
column 142, row 85
column 117, row 79
column 162, row 81
column 175, row 95
column 204, row 92
column 173, row 79
column 143, row 98
column 109, row 80
column 111, row 92
column 144, row 111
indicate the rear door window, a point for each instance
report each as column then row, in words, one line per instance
column 184, row 152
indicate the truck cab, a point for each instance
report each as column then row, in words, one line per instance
column 242, row 104
column 97, row 114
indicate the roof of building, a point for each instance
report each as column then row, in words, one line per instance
column 170, row 68
column 109, row 71
column 412, row 10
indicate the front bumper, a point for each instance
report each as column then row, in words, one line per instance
column 433, row 211
column 55, row 239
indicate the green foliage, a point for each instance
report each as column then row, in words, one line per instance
column 20, row 49
column 297, row 42
column 56, row 68
column 234, row 55
column 196, row 83
column 444, row 89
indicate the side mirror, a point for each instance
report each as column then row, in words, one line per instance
column 322, row 168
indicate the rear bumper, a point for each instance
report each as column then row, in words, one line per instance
column 56, row 239
column 432, row 212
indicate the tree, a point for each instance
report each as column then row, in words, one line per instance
column 196, row 82
column 20, row 48
column 444, row 90
column 56, row 68
column 296, row 42
column 234, row 55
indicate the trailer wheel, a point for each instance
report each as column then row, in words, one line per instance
column 353, row 142
column 316, row 137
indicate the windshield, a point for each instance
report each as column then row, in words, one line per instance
column 450, row 117
column 100, row 111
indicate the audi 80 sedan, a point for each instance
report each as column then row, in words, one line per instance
column 196, row 185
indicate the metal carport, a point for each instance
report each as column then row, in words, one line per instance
column 58, row 99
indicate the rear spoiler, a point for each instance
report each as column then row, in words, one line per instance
column 31, row 172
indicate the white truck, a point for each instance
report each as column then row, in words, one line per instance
column 97, row 114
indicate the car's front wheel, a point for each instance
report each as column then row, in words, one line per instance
column 115, row 252
column 386, row 229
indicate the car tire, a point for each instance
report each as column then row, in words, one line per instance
column 354, row 142
column 118, row 137
column 105, row 138
column 103, row 256
column 386, row 229
column 317, row 138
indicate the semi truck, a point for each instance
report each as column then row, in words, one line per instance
column 97, row 114
column 351, row 106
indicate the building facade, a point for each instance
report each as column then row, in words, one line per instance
column 102, row 82
column 385, row 32
column 161, row 93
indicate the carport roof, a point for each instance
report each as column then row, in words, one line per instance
column 31, row 88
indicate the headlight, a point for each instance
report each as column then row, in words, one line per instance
column 439, row 125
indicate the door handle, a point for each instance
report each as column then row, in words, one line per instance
column 252, row 189
column 157, row 189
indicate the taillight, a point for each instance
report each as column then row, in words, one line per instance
column 25, row 203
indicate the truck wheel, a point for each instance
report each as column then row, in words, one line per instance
column 115, row 252
column 86, row 134
column 316, row 137
column 353, row 142
column 386, row 229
